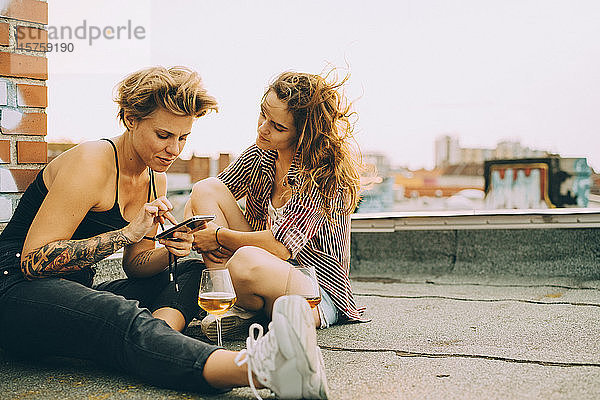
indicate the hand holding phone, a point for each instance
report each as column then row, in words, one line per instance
column 190, row 225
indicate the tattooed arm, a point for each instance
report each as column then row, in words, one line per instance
column 78, row 181
column 65, row 256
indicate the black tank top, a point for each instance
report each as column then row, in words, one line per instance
column 94, row 222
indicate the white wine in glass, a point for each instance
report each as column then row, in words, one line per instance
column 216, row 295
column 216, row 303
column 302, row 281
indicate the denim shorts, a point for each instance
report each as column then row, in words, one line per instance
column 327, row 311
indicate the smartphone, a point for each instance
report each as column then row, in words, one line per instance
column 190, row 225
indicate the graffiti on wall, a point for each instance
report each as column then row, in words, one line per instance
column 575, row 182
column 537, row 183
column 519, row 186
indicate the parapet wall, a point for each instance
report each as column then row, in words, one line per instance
column 548, row 243
column 498, row 244
column 534, row 252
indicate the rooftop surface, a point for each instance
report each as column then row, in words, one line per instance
column 430, row 337
column 458, row 311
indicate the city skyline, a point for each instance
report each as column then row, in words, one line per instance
column 489, row 72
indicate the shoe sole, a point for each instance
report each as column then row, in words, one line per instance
column 294, row 325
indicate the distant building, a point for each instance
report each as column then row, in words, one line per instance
column 378, row 160
column 513, row 149
column 449, row 152
column 440, row 182
column 184, row 173
column 474, row 155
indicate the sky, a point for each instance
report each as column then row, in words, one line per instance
column 483, row 71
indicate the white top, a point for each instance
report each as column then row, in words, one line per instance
column 275, row 213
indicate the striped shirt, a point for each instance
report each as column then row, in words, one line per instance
column 311, row 238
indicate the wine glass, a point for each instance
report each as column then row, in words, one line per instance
column 302, row 280
column 216, row 295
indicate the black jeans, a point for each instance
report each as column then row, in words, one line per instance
column 55, row 316
column 157, row 291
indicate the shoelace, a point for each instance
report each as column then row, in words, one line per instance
column 258, row 350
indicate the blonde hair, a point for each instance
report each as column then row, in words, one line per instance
column 176, row 89
column 324, row 131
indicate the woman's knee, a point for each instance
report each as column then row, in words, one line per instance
column 244, row 265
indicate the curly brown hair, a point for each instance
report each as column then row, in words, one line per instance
column 322, row 118
column 176, row 89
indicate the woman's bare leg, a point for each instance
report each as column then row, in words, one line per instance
column 210, row 196
column 259, row 278
column 221, row 371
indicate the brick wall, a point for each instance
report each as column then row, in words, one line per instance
column 224, row 160
column 23, row 98
column 199, row 168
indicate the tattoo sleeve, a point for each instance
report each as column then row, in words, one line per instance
column 65, row 256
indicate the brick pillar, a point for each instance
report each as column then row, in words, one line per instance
column 224, row 160
column 23, row 98
column 199, row 168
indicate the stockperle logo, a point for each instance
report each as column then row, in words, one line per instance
column 66, row 35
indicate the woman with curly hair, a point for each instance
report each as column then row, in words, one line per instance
column 300, row 181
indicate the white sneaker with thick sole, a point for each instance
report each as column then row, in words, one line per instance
column 286, row 359
column 234, row 321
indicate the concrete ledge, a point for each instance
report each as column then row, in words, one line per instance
column 547, row 244
column 525, row 252
column 570, row 253
column 477, row 219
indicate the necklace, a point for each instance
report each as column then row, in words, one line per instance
column 285, row 181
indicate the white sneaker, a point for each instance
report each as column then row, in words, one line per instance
column 234, row 321
column 286, row 359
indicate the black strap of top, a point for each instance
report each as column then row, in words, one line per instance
column 151, row 190
column 117, row 165
column 152, row 186
column 172, row 257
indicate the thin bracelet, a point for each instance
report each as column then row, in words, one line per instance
column 217, row 236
